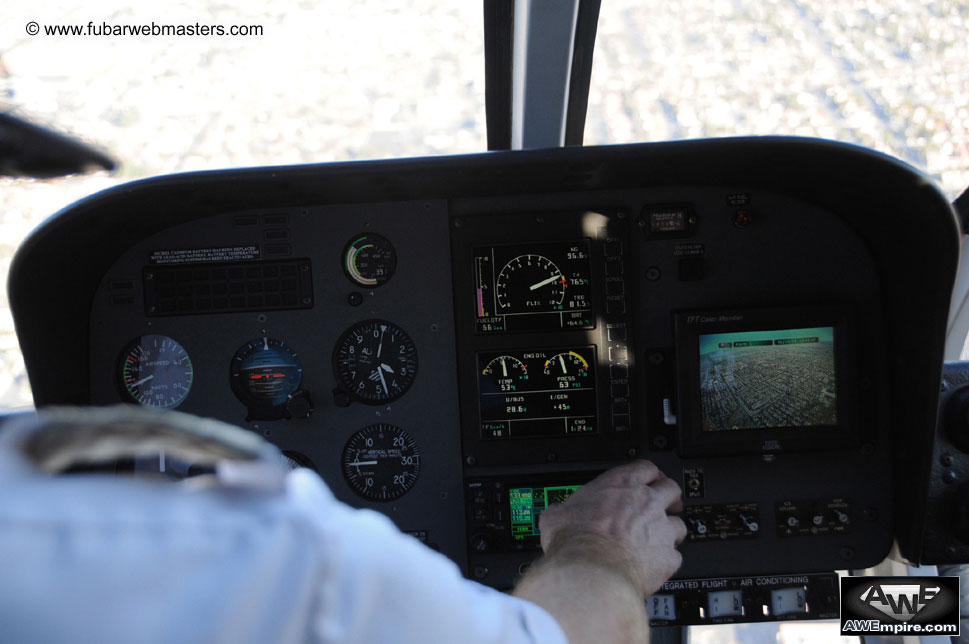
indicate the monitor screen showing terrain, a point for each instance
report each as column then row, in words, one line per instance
column 767, row 379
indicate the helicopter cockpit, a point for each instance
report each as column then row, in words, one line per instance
column 460, row 341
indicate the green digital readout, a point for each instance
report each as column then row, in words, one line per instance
column 528, row 503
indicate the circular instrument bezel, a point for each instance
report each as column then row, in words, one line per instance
column 387, row 265
column 260, row 344
column 131, row 384
column 347, row 360
column 392, row 457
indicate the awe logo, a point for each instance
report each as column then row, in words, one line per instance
column 900, row 601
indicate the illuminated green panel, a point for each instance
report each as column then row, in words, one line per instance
column 559, row 494
column 522, row 515
column 527, row 505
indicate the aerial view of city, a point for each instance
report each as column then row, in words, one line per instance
column 764, row 379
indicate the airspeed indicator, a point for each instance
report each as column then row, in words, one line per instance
column 156, row 372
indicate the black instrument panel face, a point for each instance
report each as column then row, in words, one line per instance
column 463, row 363
column 547, row 344
column 540, row 393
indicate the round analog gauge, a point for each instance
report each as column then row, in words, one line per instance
column 568, row 368
column 376, row 361
column 530, row 284
column 381, row 462
column 506, row 372
column 369, row 260
column 156, row 372
column 264, row 372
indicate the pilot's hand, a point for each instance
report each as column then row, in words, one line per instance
column 627, row 510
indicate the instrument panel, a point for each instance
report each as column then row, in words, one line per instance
column 502, row 344
column 459, row 357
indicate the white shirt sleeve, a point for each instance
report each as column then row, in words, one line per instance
column 384, row 586
column 100, row 558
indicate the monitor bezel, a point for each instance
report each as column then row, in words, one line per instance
column 693, row 441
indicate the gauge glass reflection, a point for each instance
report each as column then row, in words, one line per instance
column 156, row 372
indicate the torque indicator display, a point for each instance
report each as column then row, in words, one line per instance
column 156, row 372
column 533, row 287
column 530, row 394
column 369, row 260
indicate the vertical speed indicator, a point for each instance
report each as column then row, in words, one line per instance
column 381, row 462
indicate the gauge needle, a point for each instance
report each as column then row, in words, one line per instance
column 504, row 368
column 382, row 381
column 380, row 345
column 562, row 362
column 142, row 381
column 544, row 282
column 359, row 463
column 386, row 368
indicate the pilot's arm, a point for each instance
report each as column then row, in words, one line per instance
column 254, row 556
column 606, row 548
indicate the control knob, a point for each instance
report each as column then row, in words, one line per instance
column 750, row 524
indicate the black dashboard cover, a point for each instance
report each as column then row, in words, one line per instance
column 906, row 222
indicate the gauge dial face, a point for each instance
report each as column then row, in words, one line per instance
column 264, row 372
column 369, row 260
column 156, row 372
column 381, row 462
column 507, row 372
column 568, row 368
column 376, row 361
column 530, row 283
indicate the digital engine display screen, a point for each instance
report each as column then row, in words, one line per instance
column 533, row 287
column 527, row 505
column 767, row 379
column 540, row 393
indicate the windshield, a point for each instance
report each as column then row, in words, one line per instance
column 383, row 78
column 892, row 75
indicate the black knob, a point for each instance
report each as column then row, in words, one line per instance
column 480, row 543
column 299, row 405
column 341, row 398
column 957, row 418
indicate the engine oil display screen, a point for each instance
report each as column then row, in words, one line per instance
column 533, row 287
column 768, row 379
column 540, row 393
column 527, row 505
